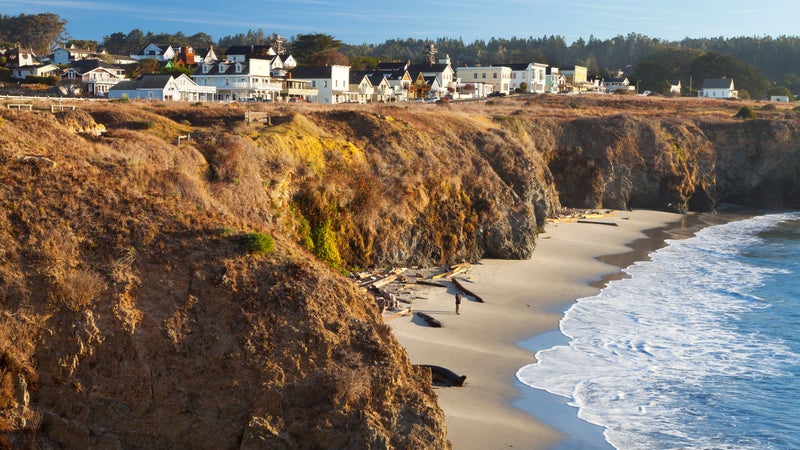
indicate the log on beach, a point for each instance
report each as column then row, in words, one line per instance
column 430, row 320
column 432, row 283
column 461, row 287
column 596, row 222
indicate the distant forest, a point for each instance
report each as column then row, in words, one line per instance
column 757, row 64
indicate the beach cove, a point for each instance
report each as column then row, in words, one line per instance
column 522, row 299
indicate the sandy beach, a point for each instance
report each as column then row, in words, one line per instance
column 521, row 299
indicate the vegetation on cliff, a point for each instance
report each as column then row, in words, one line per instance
column 157, row 293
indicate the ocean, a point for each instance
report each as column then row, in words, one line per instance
column 697, row 347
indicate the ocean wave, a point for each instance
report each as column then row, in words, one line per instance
column 675, row 354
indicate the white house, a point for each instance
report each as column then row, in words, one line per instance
column 158, row 52
column 96, row 76
column 241, row 53
column 239, row 80
column 38, row 70
column 612, row 85
column 499, row 77
column 331, row 82
column 718, row 88
column 65, row 55
column 162, row 87
column 532, row 74
column 361, row 88
column 675, row 87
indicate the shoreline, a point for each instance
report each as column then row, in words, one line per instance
column 525, row 301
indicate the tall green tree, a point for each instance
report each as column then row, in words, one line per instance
column 37, row 31
column 305, row 47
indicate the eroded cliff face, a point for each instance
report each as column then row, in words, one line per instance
column 132, row 315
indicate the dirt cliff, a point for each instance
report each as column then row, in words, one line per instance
column 133, row 314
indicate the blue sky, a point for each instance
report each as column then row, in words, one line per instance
column 357, row 22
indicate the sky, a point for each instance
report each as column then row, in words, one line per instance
column 372, row 22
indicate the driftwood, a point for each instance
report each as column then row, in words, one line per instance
column 432, row 283
column 456, row 269
column 595, row 222
column 403, row 312
column 430, row 320
column 465, row 290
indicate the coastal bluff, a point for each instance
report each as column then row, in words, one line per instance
column 133, row 313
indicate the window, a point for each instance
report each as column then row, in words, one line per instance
column 475, row 76
column 484, row 75
column 494, row 75
column 324, row 83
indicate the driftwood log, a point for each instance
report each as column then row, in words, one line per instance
column 430, row 320
column 596, row 222
column 460, row 286
column 442, row 376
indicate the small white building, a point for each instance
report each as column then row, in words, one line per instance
column 331, row 82
column 718, row 88
column 162, row 87
column 612, row 85
column 158, row 52
column 532, row 74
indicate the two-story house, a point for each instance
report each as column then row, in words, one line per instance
column 499, row 77
column 95, row 77
column 554, row 82
column 239, row 80
column 530, row 75
column 576, row 78
column 331, row 82
column 65, row 55
column 443, row 72
column 718, row 88
column 159, row 52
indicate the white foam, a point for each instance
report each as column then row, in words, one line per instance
column 647, row 343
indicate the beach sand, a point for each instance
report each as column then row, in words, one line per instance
column 521, row 299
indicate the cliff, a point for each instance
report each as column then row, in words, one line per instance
column 132, row 314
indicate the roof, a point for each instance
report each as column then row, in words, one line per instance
column 153, row 81
column 516, row 66
column 87, row 65
column 358, row 77
column 718, row 83
column 245, row 49
column 391, row 66
column 428, row 68
column 310, row 72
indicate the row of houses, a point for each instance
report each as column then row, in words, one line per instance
column 266, row 73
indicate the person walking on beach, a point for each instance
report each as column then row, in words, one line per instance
column 458, row 302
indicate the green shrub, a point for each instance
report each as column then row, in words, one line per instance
column 258, row 243
column 325, row 244
column 746, row 112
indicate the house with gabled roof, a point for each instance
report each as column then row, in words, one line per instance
column 96, row 77
column 331, row 82
column 162, row 88
column 532, row 74
column 718, row 88
column 65, row 55
column 242, row 53
column 443, row 72
column 361, row 88
column 555, row 82
column 239, row 80
column 382, row 89
column 37, row 70
column 674, row 86
column 159, row 52
column 612, row 85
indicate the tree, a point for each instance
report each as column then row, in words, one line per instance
column 662, row 87
column 781, row 91
column 327, row 58
column 38, row 31
column 304, row 47
column 142, row 67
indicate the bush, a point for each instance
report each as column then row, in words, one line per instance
column 746, row 112
column 258, row 243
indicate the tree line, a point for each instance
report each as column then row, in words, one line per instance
column 757, row 64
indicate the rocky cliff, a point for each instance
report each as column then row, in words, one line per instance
column 132, row 314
